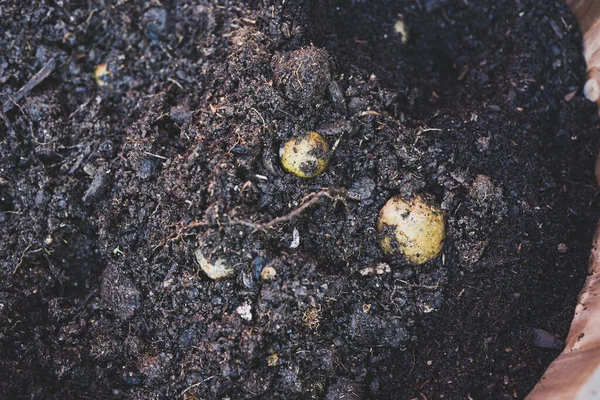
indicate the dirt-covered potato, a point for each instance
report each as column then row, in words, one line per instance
column 305, row 156
column 217, row 269
column 414, row 228
column 303, row 75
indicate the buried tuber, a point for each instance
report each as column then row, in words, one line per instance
column 215, row 269
column 305, row 156
column 414, row 228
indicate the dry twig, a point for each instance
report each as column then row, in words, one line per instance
column 29, row 86
column 308, row 201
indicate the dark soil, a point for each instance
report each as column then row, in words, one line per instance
column 109, row 186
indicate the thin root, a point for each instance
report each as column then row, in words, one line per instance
column 307, row 202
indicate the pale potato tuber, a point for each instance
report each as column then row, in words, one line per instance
column 305, row 156
column 413, row 228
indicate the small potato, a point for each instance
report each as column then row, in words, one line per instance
column 305, row 156
column 414, row 228
column 217, row 269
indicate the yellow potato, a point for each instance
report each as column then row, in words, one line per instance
column 101, row 73
column 305, row 156
column 414, row 228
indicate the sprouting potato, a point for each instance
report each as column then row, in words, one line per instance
column 414, row 228
column 305, row 156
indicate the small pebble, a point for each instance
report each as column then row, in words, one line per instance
column 268, row 273
column 380, row 269
column 545, row 340
column 257, row 266
column 273, row 360
column 154, row 22
column 295, row 239
column 245, row 312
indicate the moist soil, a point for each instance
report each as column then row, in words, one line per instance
column 112, row 183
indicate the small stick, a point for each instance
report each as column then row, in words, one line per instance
column 312, row 199
column 29, row 86
column 5, row 119
column 309, row 200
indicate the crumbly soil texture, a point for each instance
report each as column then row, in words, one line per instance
column 140, row 139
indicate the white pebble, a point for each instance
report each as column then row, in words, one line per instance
column 245, row 311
